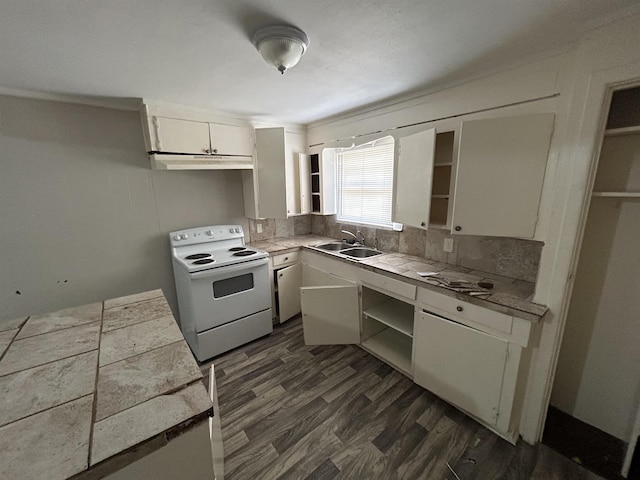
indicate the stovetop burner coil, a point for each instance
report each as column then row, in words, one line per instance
column 244, row 253
column 204, row 261
column 197, row 256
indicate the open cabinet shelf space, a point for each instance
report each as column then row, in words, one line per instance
column 393, row 347
column 395, row 314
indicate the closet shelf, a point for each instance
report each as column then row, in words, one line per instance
column 435, row 195
column 616, row 194
column 612, row 132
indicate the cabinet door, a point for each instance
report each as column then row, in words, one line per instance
column 294, row 146
column 330, row 314
column 181, row 136
column 289, row 282
column 413, row 178
column 304, row 174
column 459, row 364
column 501, row 164
column 231, row 140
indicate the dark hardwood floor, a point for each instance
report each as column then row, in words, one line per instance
column 291, row 411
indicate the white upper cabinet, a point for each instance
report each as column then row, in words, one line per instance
column 182, row 139
column 500, row 171
column 173, row 135
column 412, row 179
column 278, row 183
column 181, row 136
column 230, row 140
column 485, row 180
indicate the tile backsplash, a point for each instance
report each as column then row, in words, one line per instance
column 509, row 257
column 278, row 227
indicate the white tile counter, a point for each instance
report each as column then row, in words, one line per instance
column 89, row 390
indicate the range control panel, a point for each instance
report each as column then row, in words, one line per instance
column 214, row 233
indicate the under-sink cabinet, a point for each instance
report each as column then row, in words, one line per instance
column 365, row 308
column 286, row 279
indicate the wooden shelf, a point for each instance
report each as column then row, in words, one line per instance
column 393, row 347
column 439, row 196
column 612, row 132
column 447, row 164
column 616, row 194
column 395, row 314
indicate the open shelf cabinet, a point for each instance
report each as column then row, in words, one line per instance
column 387, row 329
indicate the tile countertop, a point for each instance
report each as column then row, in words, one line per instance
column 87, row 390
column 510, row 296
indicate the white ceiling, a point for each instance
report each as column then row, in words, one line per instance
column 198, row 52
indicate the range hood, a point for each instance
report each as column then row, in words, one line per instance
column 173, row 161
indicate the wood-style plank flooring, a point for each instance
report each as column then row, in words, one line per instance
column 291, row 411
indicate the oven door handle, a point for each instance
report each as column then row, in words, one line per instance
column 235, row 268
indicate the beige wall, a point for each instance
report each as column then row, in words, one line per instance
column 82, row 216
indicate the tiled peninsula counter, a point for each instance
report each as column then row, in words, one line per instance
column 95, row 391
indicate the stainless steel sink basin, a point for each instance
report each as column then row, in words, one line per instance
column 360, row 252
column 333, row 246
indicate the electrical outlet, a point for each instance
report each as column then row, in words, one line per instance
column 259, row 227
column 448, row 245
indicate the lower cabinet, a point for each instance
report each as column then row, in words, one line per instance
column 340, row 311
column 460, row 364
column 387, row 329
column 468, row 355
column 330, row 308
column 286, row 278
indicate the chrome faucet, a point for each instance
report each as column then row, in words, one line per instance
column 358, row 232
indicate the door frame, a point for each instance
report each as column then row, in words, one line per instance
column 586, row 120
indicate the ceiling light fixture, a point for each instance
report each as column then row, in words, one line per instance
column 281, row 46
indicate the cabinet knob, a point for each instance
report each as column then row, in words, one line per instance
column 458, row 228
column 286, row 258
column 422, row 224
column 206, row 150
column 459, row 308
column 280, row 276
column 215, row 150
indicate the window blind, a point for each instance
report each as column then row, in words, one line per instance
column 365, row 183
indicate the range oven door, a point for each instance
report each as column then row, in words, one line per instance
column 222, row 295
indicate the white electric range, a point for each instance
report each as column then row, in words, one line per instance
column 223, row 289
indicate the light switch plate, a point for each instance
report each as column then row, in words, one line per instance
column 448, row 245
column 259, row 227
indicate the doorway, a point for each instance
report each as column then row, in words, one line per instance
column 595, row 399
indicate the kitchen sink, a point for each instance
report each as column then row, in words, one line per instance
column 360, row 252
column 333, row 246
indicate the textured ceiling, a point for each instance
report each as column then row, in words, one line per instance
column 198, row 53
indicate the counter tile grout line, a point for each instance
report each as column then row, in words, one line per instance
column 94, row 406
column 8, row 347
column 137, row 354
column 54, row 331
column 52, row 361
column 140, row 323
column 46, row 410
column 170, row 392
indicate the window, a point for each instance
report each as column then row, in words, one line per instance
column 365, row 183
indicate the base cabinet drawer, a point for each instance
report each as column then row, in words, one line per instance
column 459, row 364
